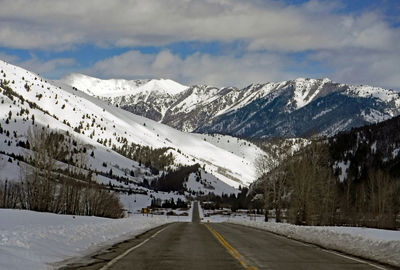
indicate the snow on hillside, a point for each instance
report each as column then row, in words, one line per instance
column 306, row 90
column 205, row 183
column 376, row 92
column 33, row 240
column 197, row 94
column 239, row 147
column 61, row 111
column 254, row 92
column 384, row 95
column 119, row 87
column 62, row 108
column 163, row 85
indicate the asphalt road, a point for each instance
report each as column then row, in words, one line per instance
column 215, row 246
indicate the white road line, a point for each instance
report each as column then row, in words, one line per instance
column 113, row 261
column 354, row 259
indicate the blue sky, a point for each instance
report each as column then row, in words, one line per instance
column 217, row 42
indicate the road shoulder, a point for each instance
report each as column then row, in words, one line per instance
column 103, row 255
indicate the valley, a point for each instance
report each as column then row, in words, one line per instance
column 74, row 152
column 218, row 134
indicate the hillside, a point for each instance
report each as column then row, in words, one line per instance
column 373, row 147
column 285, row 109
column 113, row 142
column 351, row 178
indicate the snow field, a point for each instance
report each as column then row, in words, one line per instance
column 33, row 240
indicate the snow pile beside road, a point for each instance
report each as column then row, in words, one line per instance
column 379, row 245
column 33, row 240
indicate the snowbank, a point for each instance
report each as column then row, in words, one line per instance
column 379, row 245
column 33, row 240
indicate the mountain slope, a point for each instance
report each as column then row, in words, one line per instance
column 289, row 109
column 63, row 108
column 373, row 147
column 327, row 115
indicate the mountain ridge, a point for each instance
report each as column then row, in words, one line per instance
column 284, row 106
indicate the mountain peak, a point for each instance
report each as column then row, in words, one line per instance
column 287, row 108
column 311, row 80
column 121, row 87
column 164, row 85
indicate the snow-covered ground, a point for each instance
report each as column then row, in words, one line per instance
column 374, row 244
column 33, row 240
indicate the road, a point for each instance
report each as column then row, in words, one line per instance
column 216, row 246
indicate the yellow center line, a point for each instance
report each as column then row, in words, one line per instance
column 235, row 254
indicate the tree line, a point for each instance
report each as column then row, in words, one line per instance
column 305, row 189
column 154, row 158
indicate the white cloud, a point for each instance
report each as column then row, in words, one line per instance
column 353, row 66
column 8, row 57
column 53, row 68
column 17, row 35
column 356, row 66
column 164, row 60
column 358, row 48
column 267, row 24
column 47, row 66
column 197, row 68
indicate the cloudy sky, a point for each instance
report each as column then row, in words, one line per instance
column 217, row 42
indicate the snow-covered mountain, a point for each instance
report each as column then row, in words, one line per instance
column 114, row 88
column 290, row 108
column 28, row 101
column 152, row 98
column 357, row 152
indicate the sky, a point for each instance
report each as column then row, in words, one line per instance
column 214, row 42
